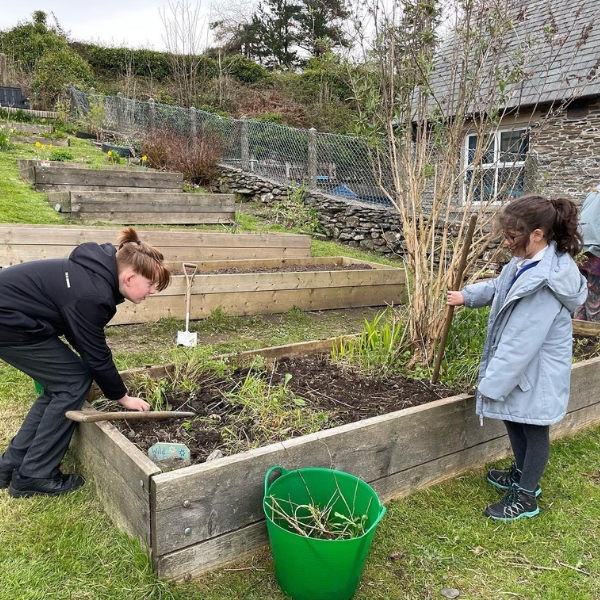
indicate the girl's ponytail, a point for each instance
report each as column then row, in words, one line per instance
column 565, row 231
column 558, row 219
column 143, row 258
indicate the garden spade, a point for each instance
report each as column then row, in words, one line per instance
column 186, row 338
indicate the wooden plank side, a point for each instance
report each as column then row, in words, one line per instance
column 10, row 255
column 50, row 187
column 31, row 139
column 587, row 328
column 150, row 218
column 29, row 128
column 252, row 282
column 114, row 178
column 122, row 474
column 200, row 558
column 180, row 198
column 187, row 205
column 70, row 235
column 253, row 303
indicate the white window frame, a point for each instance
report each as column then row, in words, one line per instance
column 496, row 164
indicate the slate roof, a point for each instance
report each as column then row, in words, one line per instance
column 562, row 39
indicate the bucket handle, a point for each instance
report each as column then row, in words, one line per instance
column 283, row 472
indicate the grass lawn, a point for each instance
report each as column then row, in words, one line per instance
column 66, row 548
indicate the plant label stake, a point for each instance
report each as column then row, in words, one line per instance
column 186, row 338
column 450, row 309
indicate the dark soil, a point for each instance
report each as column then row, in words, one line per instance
column 282, row 269
column 342, row 392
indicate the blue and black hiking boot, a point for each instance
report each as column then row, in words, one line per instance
column 503, row 480
column 518, row 504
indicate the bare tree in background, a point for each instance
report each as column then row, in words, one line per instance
column 184, row 30
column 451, row 96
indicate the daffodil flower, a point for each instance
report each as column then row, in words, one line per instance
column 109, row 153
column 144, row 158
column 38, row 145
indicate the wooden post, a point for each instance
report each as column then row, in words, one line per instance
column 312, row 158
column 245, row 144
column 3, row 73
column 450, row 309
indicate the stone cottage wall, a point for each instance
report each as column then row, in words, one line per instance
column 565, row 156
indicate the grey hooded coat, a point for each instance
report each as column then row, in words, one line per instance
column 525, row 371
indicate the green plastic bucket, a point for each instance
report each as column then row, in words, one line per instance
column 319, row 569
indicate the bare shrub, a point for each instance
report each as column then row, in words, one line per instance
column 195, row 157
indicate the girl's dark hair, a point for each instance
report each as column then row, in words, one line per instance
column 144, row 259
column 557, row 218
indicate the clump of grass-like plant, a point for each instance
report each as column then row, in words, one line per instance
column 263, row 411
column 382, row 349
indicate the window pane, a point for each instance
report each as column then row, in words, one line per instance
column 487, row 152
column 510, row 182
column 513, row 145
column 483, row 185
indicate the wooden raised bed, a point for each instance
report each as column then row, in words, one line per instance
column 28, row 139
column 206, row 515
column 261, row 293
column 29, row 127
column 21, row 243
column 145, row 208
column 587, row 328
column 60, row 178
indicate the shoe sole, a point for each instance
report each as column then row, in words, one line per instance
column 498, row 486
column 31, row 493
column 530, row 514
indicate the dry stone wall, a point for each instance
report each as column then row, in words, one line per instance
column 357, row 224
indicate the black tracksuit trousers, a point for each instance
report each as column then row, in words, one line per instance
column 42, row 441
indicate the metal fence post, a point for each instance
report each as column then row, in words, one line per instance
column 3, row 73
column 152, row 114
column 245, row 144
column 193, row 126
column 119, row 111
column 312, row 158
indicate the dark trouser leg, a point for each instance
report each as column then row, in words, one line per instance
column 538, row 453
column 43, row 439
column 531, row 447
column 518, row 442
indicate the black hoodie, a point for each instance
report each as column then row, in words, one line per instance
column 75, row 297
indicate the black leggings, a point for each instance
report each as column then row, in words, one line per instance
column 531, row 447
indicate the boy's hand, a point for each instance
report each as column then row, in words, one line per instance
column 134, row 403
column 455, row 298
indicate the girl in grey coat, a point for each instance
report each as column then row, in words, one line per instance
column 525, row 370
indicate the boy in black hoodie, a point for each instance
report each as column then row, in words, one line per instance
column 75, row 298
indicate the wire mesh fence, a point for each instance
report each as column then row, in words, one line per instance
column 335, row 164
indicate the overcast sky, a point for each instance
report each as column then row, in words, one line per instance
column 131, row 23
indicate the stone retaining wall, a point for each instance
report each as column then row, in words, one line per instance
column 357, row 224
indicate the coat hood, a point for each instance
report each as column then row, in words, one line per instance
column 99, row 259
column 560, row 273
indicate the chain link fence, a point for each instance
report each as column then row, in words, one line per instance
column 335, row 164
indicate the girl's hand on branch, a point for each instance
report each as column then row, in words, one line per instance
column 455, row 298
